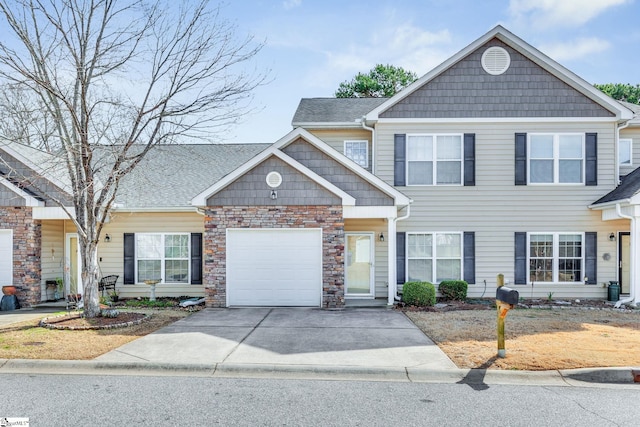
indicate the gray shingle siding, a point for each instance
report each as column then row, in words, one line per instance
column 465, row 90
column 9, row 198
column 340, row 176
column 251, row 189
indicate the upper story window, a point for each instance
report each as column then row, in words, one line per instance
column 556, row 257
column 358, row 151
column 625, row 155
column 434, row 159
column 556, row 158
column 162, row 256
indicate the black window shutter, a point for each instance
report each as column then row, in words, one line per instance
column 400, row 257
column 399, row 160
column 520, row 268
column 469, row 257
column 591, row 159
column 196, row 258
column 129, row 259
column 591, row 257
column 470, row 159
column 521, row 159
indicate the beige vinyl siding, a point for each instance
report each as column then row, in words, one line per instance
column 336, row 138
column 495, row 208
column 376, row 226
column 52, row 252
column 110, row 255
column 632, row 133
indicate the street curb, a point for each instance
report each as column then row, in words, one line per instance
column 476, row 378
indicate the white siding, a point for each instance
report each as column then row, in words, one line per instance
column 6, row 257
column 632, row 133
column 336, row 139
column 52, row 252
column 110, row 255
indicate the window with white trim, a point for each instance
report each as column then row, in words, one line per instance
column 434, row 159
column 434, row 257
column 625, row 153
column 556, row 158
column 358, row 151
column 556, row 257
column 162, row 256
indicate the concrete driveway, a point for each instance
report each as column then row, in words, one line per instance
column 367, row 338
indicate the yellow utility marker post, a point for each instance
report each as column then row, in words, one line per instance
column 506, row 299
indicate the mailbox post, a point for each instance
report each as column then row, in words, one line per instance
column 506, row 299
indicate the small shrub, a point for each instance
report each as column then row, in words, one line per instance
column 453, row 290
column 419, row 293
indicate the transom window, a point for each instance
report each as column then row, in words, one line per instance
column 434, row 159
column 556, row 158
column 434, row 257
column 556, row 257
column 162, row 256
column 358, row 151
column 625, row 152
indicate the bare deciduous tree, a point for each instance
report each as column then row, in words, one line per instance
column 102, row 82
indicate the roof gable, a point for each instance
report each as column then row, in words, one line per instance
column 461, row 67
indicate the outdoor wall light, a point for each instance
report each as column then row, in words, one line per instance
column 612, row 237
column 274, row 194
column 107, row 238
column 381, row 237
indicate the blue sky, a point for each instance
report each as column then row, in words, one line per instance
column 311, row 46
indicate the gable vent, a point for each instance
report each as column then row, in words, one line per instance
column 274, row 179
column 495, row 60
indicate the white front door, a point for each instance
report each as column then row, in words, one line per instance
column 73, row 265
column 6, row 257
column 359, row 265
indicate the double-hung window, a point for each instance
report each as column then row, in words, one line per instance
column 556, row 257
column 162, row 256
column 434, row 257
column 625, row 153
column 358, row 151
column 434, row 159
column 556, row 158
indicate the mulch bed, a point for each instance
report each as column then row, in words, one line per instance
column 490, row 304
column 76, row 321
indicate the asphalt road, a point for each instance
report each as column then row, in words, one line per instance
column 77, row 400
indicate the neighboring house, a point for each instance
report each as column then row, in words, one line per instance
column 499, row 160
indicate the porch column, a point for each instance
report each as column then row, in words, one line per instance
column 634, row 274
column 391, row 252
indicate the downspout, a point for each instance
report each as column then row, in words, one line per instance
column 632, row 255
column 373, row 143
column 617, row 152
column 393, row 286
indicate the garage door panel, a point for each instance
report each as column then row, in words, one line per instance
column 274, row 267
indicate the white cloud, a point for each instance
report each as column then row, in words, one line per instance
column 290, row 4
column 575, row 49
column 403, row 46
column 543, row 14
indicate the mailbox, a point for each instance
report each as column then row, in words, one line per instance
column 507, row 295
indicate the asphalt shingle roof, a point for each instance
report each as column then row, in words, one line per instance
column 171, row 175
column 629, row 186
column 334, row 110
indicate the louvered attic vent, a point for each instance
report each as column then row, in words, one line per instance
column 495, row 60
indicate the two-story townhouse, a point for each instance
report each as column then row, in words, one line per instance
column 499, row 160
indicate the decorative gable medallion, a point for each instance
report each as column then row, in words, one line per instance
column 495, row 60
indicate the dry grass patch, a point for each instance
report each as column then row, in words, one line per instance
column 27, row 340
column 536, row 339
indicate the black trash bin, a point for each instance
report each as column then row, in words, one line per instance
column 613, row 291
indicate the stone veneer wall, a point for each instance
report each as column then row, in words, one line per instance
column 27, row 241
column 329, row 218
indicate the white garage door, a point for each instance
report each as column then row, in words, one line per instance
column 6, row 257
column 274, row 267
